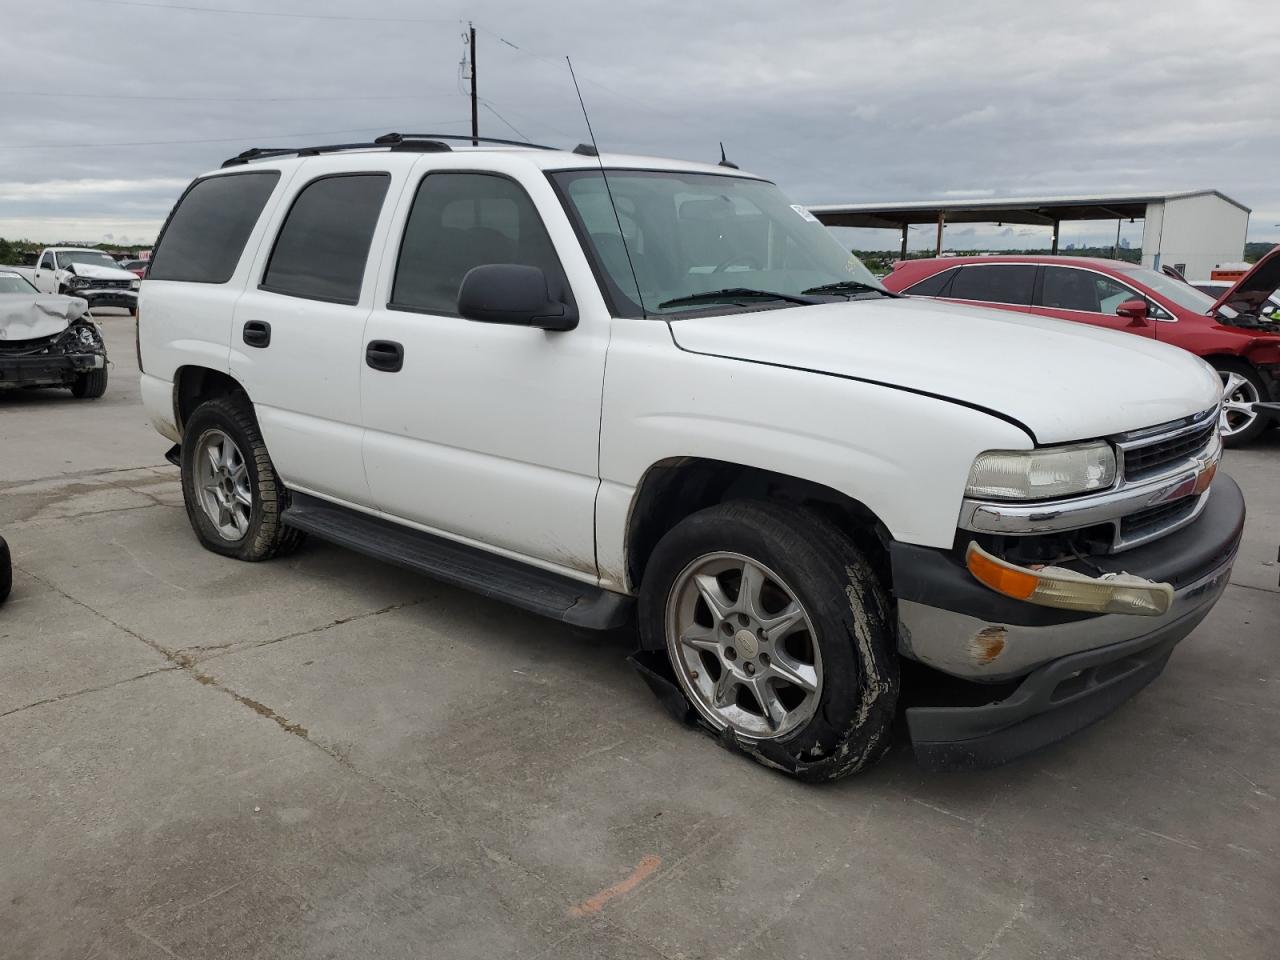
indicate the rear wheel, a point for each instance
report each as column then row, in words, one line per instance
column 1242, row 387
column 779, row 635
column 232, row 494
column 90, row 385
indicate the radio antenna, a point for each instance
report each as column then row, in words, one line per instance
column 605, row 177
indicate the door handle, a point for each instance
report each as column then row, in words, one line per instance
column 385, row 355
column 257, row 333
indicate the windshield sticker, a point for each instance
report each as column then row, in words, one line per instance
column 804, row 213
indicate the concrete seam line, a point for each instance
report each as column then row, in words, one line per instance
column 98, row 689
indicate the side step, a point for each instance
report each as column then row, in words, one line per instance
column 490, row 575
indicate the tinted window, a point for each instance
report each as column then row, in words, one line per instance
column 465, row 220
column 206, row 233
column 323, row 246
column 933, row 286
column 1066, row 289
column 46, row 262
column 999, row 283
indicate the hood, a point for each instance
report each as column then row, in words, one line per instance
column 1254, row 288
column 29, row 316
column 95, row 272
column 1063, row 381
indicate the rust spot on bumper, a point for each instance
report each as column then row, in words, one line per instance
column 987, row 644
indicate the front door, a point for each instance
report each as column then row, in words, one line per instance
column 484, row 432
column 1073, row 293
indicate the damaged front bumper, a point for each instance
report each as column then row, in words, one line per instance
column 47, row 369
column 1050, row 671
column 108, row 298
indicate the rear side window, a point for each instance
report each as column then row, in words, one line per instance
column 465, row 220
column 207, row 231
column 933, row 286
column 323, row 245
column 998, row 283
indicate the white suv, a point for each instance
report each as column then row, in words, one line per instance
column 589, row 384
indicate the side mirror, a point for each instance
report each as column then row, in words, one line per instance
column 1135, row 310
column 512, row 293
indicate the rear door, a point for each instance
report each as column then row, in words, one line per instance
column 297, row 333
column 1005, row 285
column 1086, row 296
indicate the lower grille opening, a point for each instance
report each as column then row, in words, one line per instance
column 1156, row 518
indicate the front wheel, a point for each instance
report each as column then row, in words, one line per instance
column 230, row 488
column 779, row 635
column 90, row 385
column 1242, row 387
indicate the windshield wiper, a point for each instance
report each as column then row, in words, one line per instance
column 845, row 286
column 732, row 293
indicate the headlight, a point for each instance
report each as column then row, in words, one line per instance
column 78, row 282
column 135, row 285
column 1042, row 474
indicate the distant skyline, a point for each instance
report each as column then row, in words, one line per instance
column 879, row 100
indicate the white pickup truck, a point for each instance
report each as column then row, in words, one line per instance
column 85, row 273
column 597, row 385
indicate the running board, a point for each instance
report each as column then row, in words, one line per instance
column 488, row 574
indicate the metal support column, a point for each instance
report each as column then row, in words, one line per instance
column 1056, row 225
column 942, row 219
column 903, row 254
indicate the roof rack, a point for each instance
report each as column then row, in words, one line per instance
column 416, row 142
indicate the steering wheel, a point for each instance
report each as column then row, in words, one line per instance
column 739, row 260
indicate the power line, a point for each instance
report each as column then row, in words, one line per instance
column 240, row 139
column 114, row 96
column 190, row 8
column 488, row 106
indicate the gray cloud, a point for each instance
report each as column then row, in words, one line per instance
column 837, row 102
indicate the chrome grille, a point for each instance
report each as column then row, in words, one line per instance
column 1153, row 458
column 1162, row 449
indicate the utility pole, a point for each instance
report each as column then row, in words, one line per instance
column 475, row 104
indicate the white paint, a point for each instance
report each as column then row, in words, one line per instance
column 529, row 444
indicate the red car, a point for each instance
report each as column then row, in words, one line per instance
column 1234, row 332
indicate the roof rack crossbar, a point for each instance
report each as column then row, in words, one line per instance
column 402, row 137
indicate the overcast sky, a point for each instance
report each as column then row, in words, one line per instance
column 845, row 101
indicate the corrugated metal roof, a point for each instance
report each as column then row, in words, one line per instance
column 1030, row 210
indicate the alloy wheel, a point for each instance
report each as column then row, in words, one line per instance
column 743, row 646
column 1238, row 397
column 222, row 485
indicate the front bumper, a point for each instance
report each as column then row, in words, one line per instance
column 45, row 369
column 1066, row 669
column 108, row 298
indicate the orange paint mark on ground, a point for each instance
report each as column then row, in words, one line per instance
column 594, row 905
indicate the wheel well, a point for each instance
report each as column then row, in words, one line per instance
column 193, row 386
column 674, row 489
column 1228, row 359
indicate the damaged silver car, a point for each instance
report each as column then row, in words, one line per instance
column 49, row 341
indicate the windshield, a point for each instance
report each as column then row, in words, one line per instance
column 13, row 283
column 692, row 233
column 92, row 257
column 1183, row 294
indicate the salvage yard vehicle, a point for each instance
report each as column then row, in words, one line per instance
column 89, row 274
column 1233, row 330
column 589, row 385
column 48, row 340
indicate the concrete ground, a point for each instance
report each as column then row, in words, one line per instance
column 328, row 757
